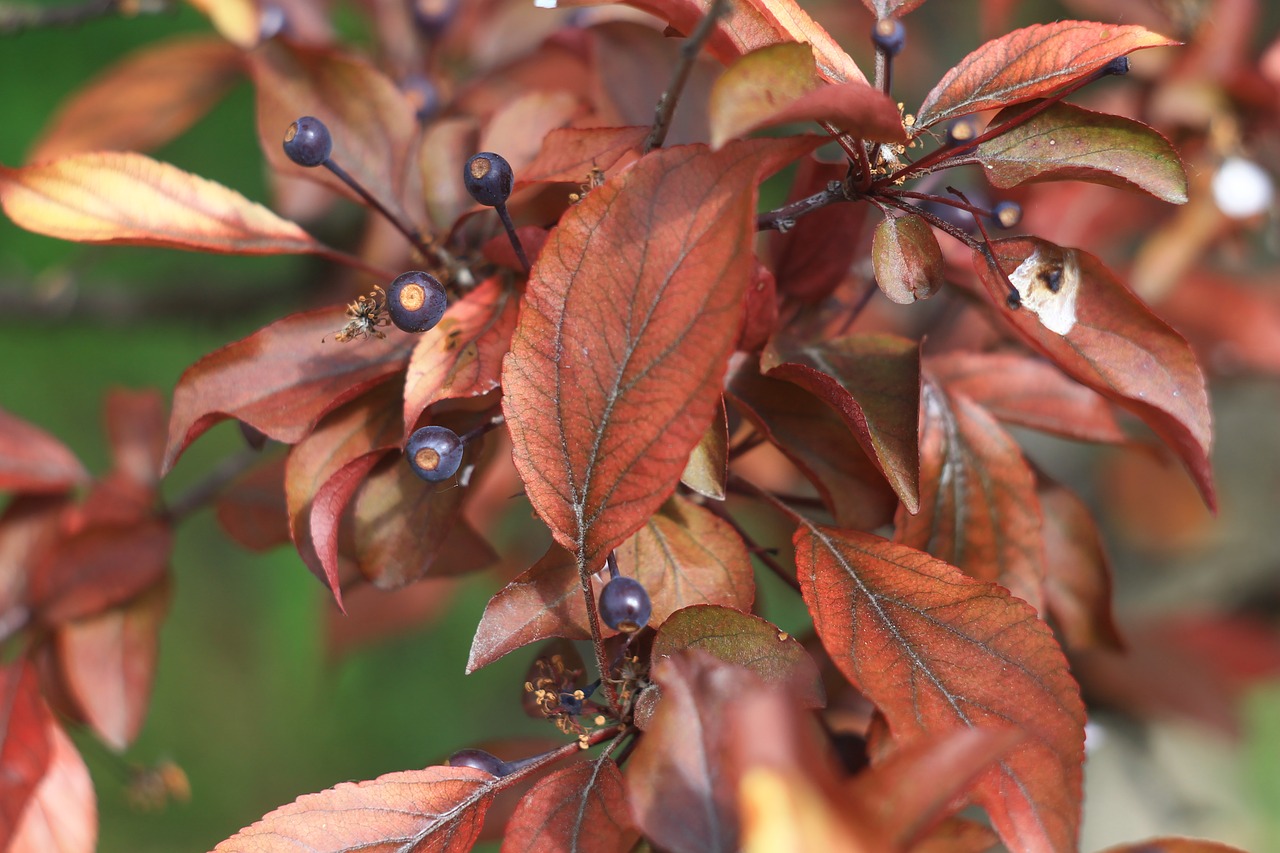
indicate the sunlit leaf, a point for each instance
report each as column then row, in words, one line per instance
column 238, row 21
column 436, row 810
column 978, row 506
column 281, row 380
column 934, row 650
column 908, row 261
column 569, row 154
column 873, row 382
column 62, row 814
column 31, row 460
column 1030, row 63
column 640, row 329
column 1070, row 143
column 123, row 197
column 749, row 641
column 25, row 747
column 581, row 808
column 147, row 99
column 1115, row 346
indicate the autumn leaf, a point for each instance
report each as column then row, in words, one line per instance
column 436, row 810
column 144, row 101
column 252, row 509
column 25, row 747
column 908, row 261
column 582, row 808
column 640, row 329
column 708, row 467
column 31, row 460
column 1115, row 345
column 813, row 257
column 748, row 641
column 1174, row 845
column 873, row 383
column 238, row 21
column 62, row 814
column 280, row 380
column 1077, row 586
column 569, row 154
column 128, row 198
column 934, row 651
column 1030, row 63
column 978, row 506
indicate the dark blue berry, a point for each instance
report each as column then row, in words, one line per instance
column 480, row 760
column 434, row 453
column 961, row 131
column 889, row 36
column 1118, row 66
column 416, row 301
column 625, row 605
column 434, row 16
column 488, row 178
column 307, row 141
column 1007, row 214
column 423, row 94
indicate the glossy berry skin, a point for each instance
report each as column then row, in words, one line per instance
column 416, row 301
column 434, row 453
column 488, row 178
column 307, row 142
column 480, row 760
column 625, row 604
column 889, row 36
column 1007, row 214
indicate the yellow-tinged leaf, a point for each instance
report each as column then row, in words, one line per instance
column 782, row 813
column 123, row 197
column 237, row 21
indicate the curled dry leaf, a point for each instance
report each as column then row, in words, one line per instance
column 1030, row 63
column 1117, row 347
column 127, row 198
column 1070, row 143
column 935, row 651
column 640, row 330
column 31, row 460
column 436, row 810
column 581, row 808
column 908, row 261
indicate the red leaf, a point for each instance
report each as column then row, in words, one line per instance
column 25, row 747
column 873, row 382
column 1115, row 345
column 108, row 662
column 634, row 304
column 62, row 814
column 370, row 119
column 1077, row 586
column 891, row 8
column 934, row 651
column 144, row 101
column 128, row 198
column 581, row 808
column 373, row 615
column 462, row 355
column 748, row 641
column 569, row 154
column 908, row 261
column 519, row 128
column 136, row 431
column 812, row 257
column 1174, row 845
column 436, row 810
column 31, row 460
column 29, row 527
column 252, row 510
column 1028, row 392
column 978, row 506
column 1030, row 63
column 280, row 380
column 317, row 543
column 446, row 146
column 99, row 567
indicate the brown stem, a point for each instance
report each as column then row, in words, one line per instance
column 784, row 218
column 597, row 637
column 688, row 53
column 411, row 234
column 513, row 237
column 208, row 488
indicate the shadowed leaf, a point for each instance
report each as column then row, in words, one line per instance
column 873, row 382
column 31, row 460
column 252, row 510
column 25, row 748
column 1115, row 346
column 99, row 567
column 582, row 808
column 907, row 258
column 62, row 814
column 446, row 145
column 436, row 810
column 934, row 651
column 639, row 329
column 136, row 425
column 708, row 466
column 1077, row 586
column 570, row 153
column 1030, row 63
column 749, row 641
column 280, row 380
column 122, row 197
column 978, row 507
column 1070, row 143
column 147, row 99
column 812, row 257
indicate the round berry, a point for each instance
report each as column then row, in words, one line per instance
column 488, row 178
column 962, row 130
column 480, row 760
column 416, row 301
column 434, row 16
column 1118, row 66
column 423, row 94
column 307, row 141
column 434, row 453
column 889, row 36
column 625, row 605
column 1007, row 213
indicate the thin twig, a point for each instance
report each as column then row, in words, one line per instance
column 784, row 218
column 760, row 553
column 597, row 636
column 411, row 234
column 514, row 238
column 688, row 54
column 211, row 485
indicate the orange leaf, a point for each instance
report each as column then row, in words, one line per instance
column 144, row 101
column 62, row 814
column 1030, row 63
column 581, row 808
column 31, row 460
column 708, row 466
column 622, row 343
column 934, row 651
column 1112, row 343
column 436, row 810
column 570, row 153
column 122, row 197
